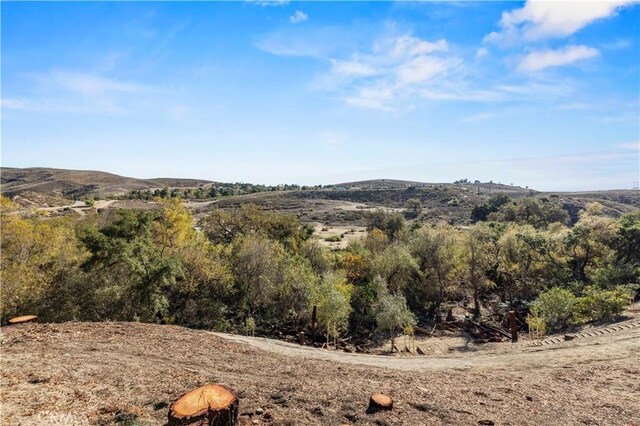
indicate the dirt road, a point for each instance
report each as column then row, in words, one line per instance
column 617, row 344
column 129, row 373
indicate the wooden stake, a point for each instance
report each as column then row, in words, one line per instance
column 314, row 323
column 514, row 326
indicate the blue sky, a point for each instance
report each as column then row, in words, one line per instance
column 539, row 94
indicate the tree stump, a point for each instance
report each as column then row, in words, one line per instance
column 22, row 319
column 379, row 401
column 210, row 405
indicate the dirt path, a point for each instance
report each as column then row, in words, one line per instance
column 623, row 342
column 78, row 206
column 128, row 373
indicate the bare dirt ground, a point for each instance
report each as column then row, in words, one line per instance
column 128, row 373
column 327, row 233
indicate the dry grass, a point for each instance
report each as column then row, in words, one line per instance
column 110, row 373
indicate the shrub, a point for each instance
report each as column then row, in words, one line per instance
column 599, row 304
column 250, row 326
column 557, row 306
column 537, row 326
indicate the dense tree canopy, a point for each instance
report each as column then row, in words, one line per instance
column 251, row 266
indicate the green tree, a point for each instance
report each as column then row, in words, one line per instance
column 376, row 241
column 332, row 296
column 318, row 256
column 477, row 251
column 481, row 212
column 532, row 211
column 39, row 260
column 626, row 266
column 129, row 276
column 413, row 207
column 393, row 314
column 438, row 255
column 391, row 223
column 396, row 265
column 255, row 260
column 223, row 226
column 588, row 245
column 518, row 264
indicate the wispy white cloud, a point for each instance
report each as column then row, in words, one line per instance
column 399, row 70
column 372, row 97
column 269, row 3
column 482, row 52
column 461, row 93
column 539, row 60
column 392, row 69
column 632, row 145
column 547, row 19
column 395, row 67
column 90, row 84
column 63, row 91
column 352, row 68
column 409, row 46
column 298, row 17
column 480, row 117
column 62, row 105
column 574, row 106
column 305, row 41
column 578, row 171
column 619, row 44
column 38, row 105
column 423, row 68
column 537, row 89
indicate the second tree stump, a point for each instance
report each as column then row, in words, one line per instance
column 210, row 405
column 379, row 401
column 23, row 319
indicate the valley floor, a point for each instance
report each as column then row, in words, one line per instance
column 128, row 373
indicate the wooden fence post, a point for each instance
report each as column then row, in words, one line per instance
column 514, row 326
column 314, row 324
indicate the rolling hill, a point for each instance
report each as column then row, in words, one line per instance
column 80, row 183
column 344, row 203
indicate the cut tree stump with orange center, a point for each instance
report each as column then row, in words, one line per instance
column 379, row 401
column 210, row 405
column 22, row 319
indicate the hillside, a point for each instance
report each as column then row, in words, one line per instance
column 128, row 373
column 80, row 183
column 441, row 202
column 485, row 187
column 343, row 204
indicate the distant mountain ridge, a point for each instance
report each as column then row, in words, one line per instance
column 399, row 184
column 75, row 183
